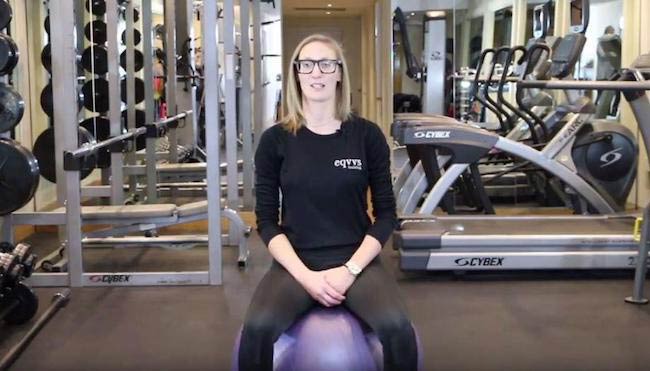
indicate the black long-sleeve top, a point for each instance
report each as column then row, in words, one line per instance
column 321, row 182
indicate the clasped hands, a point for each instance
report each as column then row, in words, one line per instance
column 329, row 286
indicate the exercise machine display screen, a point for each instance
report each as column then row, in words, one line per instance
column 538, row 26
column 579, row 15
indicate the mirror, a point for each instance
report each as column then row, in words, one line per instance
column 471, row 27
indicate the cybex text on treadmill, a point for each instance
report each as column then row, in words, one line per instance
column 432, row 134
column 473, row 262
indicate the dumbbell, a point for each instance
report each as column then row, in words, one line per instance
column 25, row 257
column 10, row 269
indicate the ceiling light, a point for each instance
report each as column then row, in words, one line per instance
column 435, row 14
column 328, row 13
column 329, row 5
column 412, row 13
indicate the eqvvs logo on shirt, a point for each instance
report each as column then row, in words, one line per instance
column 349, row 163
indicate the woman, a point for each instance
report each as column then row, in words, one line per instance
column 326, row 251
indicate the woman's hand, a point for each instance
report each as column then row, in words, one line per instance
column 320, row 289
column 340, row 278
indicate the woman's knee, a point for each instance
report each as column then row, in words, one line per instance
column 260, row 323
column 394, row 324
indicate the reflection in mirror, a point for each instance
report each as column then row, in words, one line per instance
column 422, row 59
column 502, row 27
column 540, row 19
column 601, row 56
column 475, row 40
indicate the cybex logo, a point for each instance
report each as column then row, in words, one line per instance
column 110, row 278
column 611, row 157
column 432, row 134
column 349, row 163
column 479, row 262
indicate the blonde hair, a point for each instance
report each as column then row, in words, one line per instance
column 295, row 117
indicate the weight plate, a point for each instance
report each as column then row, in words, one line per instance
column 6, row 13
column 139, row 90
column 98, row 7
column 46, row 24
column 47, row 104
column 99, row 54
column 136, row 14
column 44, row 153
column 137, row 37
column 12, row 107
column 100, row 128
column 18, row 176
column 96, row 97
column 138, row 60
column 46, row 58
column 27, row 307
column 46, row 100
column 8, row 54
column 98, row 31
column 140, row 119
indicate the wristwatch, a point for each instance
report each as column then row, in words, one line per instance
column 353, row 268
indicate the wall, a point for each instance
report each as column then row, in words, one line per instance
column 346, row 30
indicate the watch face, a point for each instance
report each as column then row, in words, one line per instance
column 353, row 269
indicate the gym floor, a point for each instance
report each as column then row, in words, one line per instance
column 518, row 321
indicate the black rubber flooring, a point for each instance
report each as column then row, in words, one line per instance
column 518, row 321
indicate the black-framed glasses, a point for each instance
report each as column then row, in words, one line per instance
column 324, row 65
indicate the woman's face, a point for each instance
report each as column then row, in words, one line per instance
column 318, row 86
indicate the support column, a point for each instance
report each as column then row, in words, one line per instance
column 211, row 81
column 64, row 87
column 245, row 105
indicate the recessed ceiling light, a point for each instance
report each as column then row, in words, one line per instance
column 329, row 5
column 328, row 12
column 435, row 14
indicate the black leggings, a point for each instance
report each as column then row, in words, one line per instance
column 280, row 300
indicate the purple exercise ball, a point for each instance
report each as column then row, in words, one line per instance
column 325, row 339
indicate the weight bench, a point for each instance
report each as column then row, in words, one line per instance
column 128, row 219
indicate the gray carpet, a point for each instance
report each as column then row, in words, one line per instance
column 521, row 321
